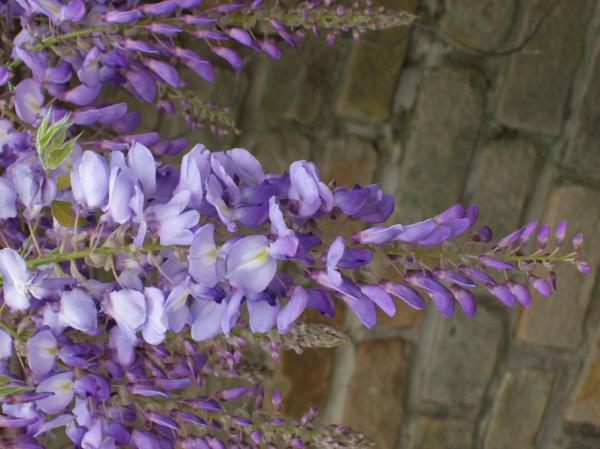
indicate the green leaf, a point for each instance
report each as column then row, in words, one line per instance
column 5, row 390
column 8, row 385
column 63, row 212
column 51, row 143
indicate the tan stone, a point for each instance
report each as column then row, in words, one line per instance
column 373, row 69
column 584, row 407
column 557, row 321
column 347, row 161
column 430, row 433
column 518, row 409
column 375, row 400
column 306, row 379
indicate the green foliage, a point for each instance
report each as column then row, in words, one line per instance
column 7, row 386
column 51, row 143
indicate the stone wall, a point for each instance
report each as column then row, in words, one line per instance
column 439, row 113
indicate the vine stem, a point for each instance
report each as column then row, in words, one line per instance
column 455, row 256
column 103, row 251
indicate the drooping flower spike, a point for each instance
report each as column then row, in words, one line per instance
column 198, row 261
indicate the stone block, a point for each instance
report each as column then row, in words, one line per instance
column 347, row 160
column 502, row 181
column 296, row 87
column 539, row 76
column 478, row 23
column 584, row 407
column 442, row 134
column 557, row 321
column 375, row 399
column 583, row 151
column 373, row 68
column 277, row 149
column 431, row 433
column 518, row 409
column 457, row 358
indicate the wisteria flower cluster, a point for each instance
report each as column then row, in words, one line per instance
column 73, row 51
column 129, row 284
column 126, row 270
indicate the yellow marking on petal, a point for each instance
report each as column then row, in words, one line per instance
column 66, row 387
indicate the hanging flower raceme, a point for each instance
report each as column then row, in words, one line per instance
column 197, row 261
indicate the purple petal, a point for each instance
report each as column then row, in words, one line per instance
column 78, row 310
column 521, row 293
column 417, row 231
column 503, row 293
column 6, row 345
column 142, row 85
column 230, row 55
column 62, row 387
column 81, row 95
column 141, row 162
column 208, row 317
column 28, row 100
column 406, row 294
column 165, row 71
column 249, row 265
column 42, row 349
column 203, row 256
column 293, row 309
column 128, row 309
column 377, row 235
column 380, row 297
column 263, row 315
column 465, row 299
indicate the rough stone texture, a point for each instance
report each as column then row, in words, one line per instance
column 585, row 405
column 347, row 160
column 277, row 149
column 374, row 404
column 294, row 87
column 429, row 433
column 458, row 358
column 584, row 149
column 504, row 177
column 442, row 135
column 305, row 387
column 367, row 93
column 531, row 99
column 557, row 321
column 519, row 406
column 478, row 23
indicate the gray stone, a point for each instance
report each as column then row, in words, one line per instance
column 502, row 181
column 457, row 358
column 584, row 149
column 374, row 403
column 584, row 407
column 373, row 68
column 518, row 409
column 539, row 76
column 478, row 23
column 430, row 433
column 296, row 87
column 277, row 149
column 442, row 134
column 557, row 321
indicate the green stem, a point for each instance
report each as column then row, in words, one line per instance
column 508, row 258
column 103, row 251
